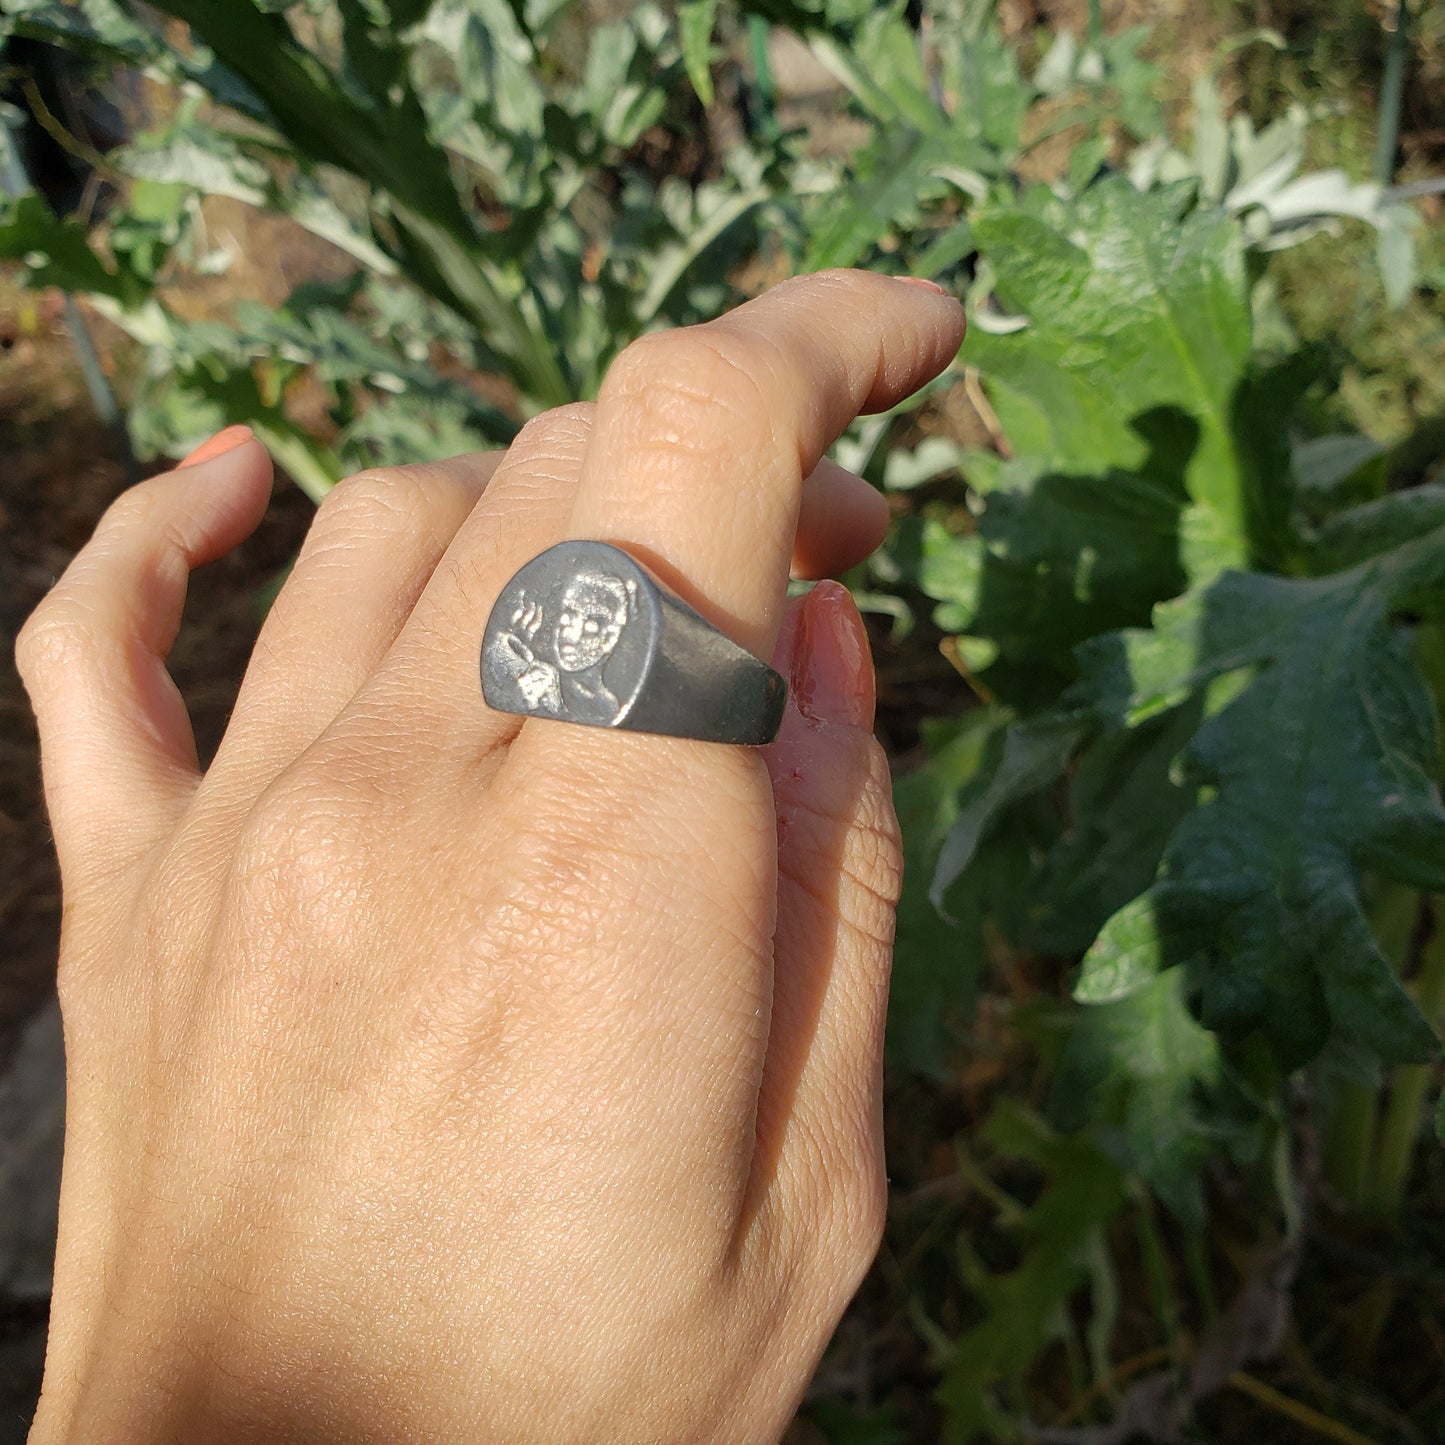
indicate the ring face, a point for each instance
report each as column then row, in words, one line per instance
column 571, row 636
column 584, row 634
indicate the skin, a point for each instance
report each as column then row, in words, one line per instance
column 435, row 1075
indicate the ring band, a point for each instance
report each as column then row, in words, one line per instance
column 583, row 634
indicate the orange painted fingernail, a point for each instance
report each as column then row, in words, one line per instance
column 832, row 664
column 223, row 441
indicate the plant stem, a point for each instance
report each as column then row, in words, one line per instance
column 1156, row 1271
column 1351, row 1129
column 1400, row 1128
column 1351, row 1142
column 1392, row 94
column 307, row 463
column 763, row 86
column 1303, row 1415
column 1196, row 1260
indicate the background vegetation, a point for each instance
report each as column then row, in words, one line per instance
column 1159, row 623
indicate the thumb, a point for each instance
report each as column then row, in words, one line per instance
column 819, row 1138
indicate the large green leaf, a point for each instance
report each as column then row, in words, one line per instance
column 1137, row 307
column 1324, row 761
column 1143, row 1071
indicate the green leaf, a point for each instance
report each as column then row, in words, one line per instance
column 58, row 252
column 937, row 961
column 1059, row 555
column 848, row 1425
column 695, row 21
column 1123, row 803
column 1331, row 465
column 1060, row 1240
column 1137, row 305
column 1126, row 956
column 98, row 28
column 1325, row 761
column 1018, row 761
column 1144, row 1073
column 1361, row 533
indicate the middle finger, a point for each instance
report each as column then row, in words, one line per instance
column 703, row 436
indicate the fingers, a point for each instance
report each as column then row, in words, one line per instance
column 841, row 521
column 428, row 689
column 117, row 750
column 703, row 436
column 373, row 547
column 819, row 1159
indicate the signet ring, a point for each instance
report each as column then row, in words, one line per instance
column 584, row 634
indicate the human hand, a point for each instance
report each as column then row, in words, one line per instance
column 436, row 1075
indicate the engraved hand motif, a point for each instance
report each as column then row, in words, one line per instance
column 528, row 617
column 541, row 688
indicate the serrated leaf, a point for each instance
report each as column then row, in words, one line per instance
column 1059, row 556
column 1325, row 761
column 1123, row 803
column 58, row 252
column 1137, row 304
column 1139, row 1069
column 1059, row 1240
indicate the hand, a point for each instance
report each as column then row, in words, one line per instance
column 439, row 1076
column 540, row 685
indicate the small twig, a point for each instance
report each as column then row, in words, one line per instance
column 973, row 390
column 1121, row 1374
column 57, row 132
column 1392, row 94
column 949, row 648
column 1303, row 1415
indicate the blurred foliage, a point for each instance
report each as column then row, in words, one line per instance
column 1173, row 878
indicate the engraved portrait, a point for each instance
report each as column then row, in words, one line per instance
column 556, row 651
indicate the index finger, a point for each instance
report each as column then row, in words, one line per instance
column 703, row 436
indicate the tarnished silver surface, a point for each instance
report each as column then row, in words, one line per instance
column 584, row 634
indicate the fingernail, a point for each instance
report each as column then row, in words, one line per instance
column 832, row 671
column 223, row 441
column 923, row 284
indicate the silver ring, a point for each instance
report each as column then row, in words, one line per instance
column 583, row 634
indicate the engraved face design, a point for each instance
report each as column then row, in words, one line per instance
column 593, row 613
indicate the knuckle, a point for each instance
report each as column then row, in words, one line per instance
column 55, row 640
column 854, row 1211
column 382, row 503
column 865, row 1219
column 695, row 384
column 559, row 426
column 839, row 1224
column 134, row 508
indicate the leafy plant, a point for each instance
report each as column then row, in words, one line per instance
column 1185, row 848
column 1211, row 735
column 393, row 131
